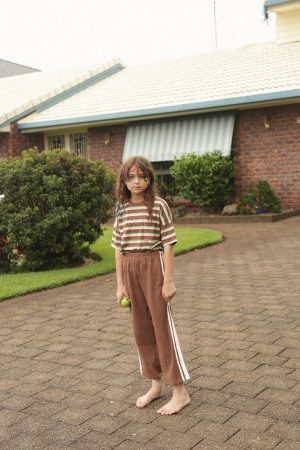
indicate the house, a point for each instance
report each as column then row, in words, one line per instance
column 244, row 102
column 32, row 93
column 10, row 69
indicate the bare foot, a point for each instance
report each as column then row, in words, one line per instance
column 176, row 403
column 156, row 391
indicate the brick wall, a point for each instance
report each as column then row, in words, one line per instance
column 270, row 153
column 4, row 145
column 107, row 143
column 13, row 143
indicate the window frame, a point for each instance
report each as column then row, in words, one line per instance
column 56, row 134
column 67, row 138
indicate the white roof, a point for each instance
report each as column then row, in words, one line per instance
column 24, row 92
column 255, row 72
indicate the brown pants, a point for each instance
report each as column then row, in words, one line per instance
column 153, row 327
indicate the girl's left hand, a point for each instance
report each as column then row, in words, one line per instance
column 168, row 291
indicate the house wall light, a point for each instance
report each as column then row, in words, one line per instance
column 107, row 138
column 266, row 122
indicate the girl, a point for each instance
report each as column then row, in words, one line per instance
column 143, row 236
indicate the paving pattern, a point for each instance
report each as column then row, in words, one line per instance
column 69, row 373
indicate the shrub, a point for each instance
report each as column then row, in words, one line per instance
column 5, row 262
column 260, row 199
column 167, row 190
column 206, row 180
column 5, row 247
column 246, row 202
column 53, row 207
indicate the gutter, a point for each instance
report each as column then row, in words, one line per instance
column 269, row 3
column 139, row 114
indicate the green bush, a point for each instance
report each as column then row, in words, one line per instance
column 247, row 203
column 5, row 246
column 5, row 250
column 206, row 180
column 261, row 199
column 53, row 207
column 167, row 190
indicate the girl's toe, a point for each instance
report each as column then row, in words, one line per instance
column 139, row 403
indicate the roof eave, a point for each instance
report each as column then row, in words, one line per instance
column 39, row 105
column 275, row 5
column 5, row 129
column 257, row 100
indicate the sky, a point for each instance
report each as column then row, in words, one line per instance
column 54, row 34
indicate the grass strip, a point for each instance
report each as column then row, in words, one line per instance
column 15, row 284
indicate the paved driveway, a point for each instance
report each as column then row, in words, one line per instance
column 69, row 372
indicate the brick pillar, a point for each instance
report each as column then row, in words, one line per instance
column 4, row 145
column 19, row 142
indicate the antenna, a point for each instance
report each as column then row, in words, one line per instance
column 215, row 24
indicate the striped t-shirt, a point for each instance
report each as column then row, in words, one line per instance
column 134, row 231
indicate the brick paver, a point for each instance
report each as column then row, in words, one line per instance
column 69, row 372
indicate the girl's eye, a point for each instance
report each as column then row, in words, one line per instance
column 131, row 177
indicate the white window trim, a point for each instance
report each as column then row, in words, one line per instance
column 53, row 134
column 66, row 134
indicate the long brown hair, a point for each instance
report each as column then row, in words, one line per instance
column 123, row 193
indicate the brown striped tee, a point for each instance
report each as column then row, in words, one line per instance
column 134, row 231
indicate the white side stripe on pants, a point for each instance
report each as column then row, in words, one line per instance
column 179, row 357
column 140, row 362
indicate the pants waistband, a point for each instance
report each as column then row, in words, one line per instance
column 141, row 253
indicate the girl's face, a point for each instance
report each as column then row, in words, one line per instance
column 137, row 182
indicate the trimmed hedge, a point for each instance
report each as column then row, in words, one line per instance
column 206, row 180
column 53, row 207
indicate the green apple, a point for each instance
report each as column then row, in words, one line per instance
column 125, row 302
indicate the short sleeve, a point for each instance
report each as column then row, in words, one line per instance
column 116, row 235
column 168, row 235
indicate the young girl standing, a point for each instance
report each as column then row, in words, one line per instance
column 143, row 236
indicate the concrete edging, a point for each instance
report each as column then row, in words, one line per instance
column 275, row 217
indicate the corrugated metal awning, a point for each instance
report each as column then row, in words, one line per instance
column 165, row 140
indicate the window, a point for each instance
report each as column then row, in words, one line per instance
column 75, row 143
column 78, row 144
column 166, row 182
column 56, row 142
column 162, row 171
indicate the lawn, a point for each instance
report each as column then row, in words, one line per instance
column 12, row 285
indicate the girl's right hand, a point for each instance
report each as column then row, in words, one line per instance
column 121, row 293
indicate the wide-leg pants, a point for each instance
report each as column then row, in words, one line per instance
column 152, row 323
